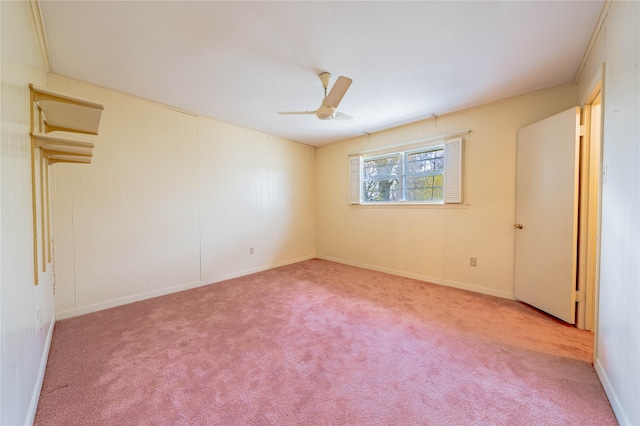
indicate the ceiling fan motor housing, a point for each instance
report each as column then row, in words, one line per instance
column 325, row 112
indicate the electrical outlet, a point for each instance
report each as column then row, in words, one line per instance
column 473, row 261
column 250, row 250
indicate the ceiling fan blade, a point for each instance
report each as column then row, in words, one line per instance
column 295, row 112
column 337, row 91
column 340, row 116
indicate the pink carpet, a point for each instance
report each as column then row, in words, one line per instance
column 319, row 343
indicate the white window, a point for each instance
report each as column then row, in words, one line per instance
column 431, row 174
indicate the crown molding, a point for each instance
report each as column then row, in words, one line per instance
column 42, row 37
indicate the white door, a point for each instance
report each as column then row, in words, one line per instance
column 547, row 214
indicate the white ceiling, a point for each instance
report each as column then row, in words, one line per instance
column 241, row 62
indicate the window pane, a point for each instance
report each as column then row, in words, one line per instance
column 418, row 195
column 381, row 168
column 424, row 188
column 381, row 190
column 410, row 195
column 424, row 162
column 413, row 182
column 425, row 194
column 438, row 193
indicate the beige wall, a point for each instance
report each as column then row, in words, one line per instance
column 25, row 335
column 172, row 201
column 618, row 328
column 434, row 243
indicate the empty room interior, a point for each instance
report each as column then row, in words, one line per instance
column 320, row 212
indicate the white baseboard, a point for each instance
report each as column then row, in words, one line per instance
column 448, row 283
column 618, row 409
column 35, row 395
column 82, row 310
column 258, row 269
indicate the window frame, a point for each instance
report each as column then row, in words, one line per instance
column 403, row 174
column 453, row 149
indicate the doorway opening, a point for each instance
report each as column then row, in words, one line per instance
column 591, row 175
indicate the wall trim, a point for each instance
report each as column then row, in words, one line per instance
column 610, row 391
column 74, row 312
column 42, row 36
column 594, row 35
column 406, row 146
column 596, row 80
column 445, row 114
column 37, row 388
column 419, row 277
column 55, row 75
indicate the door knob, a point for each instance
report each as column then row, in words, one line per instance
column 518, row 226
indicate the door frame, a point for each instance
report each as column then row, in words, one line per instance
column 589, row 227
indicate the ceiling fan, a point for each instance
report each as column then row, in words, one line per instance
column 327, row 111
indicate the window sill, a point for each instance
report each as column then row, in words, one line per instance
column 414, row 205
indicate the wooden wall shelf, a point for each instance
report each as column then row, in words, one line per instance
column 62, row 146
column 52, row 112
column 58, row 158
column 64, row 113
